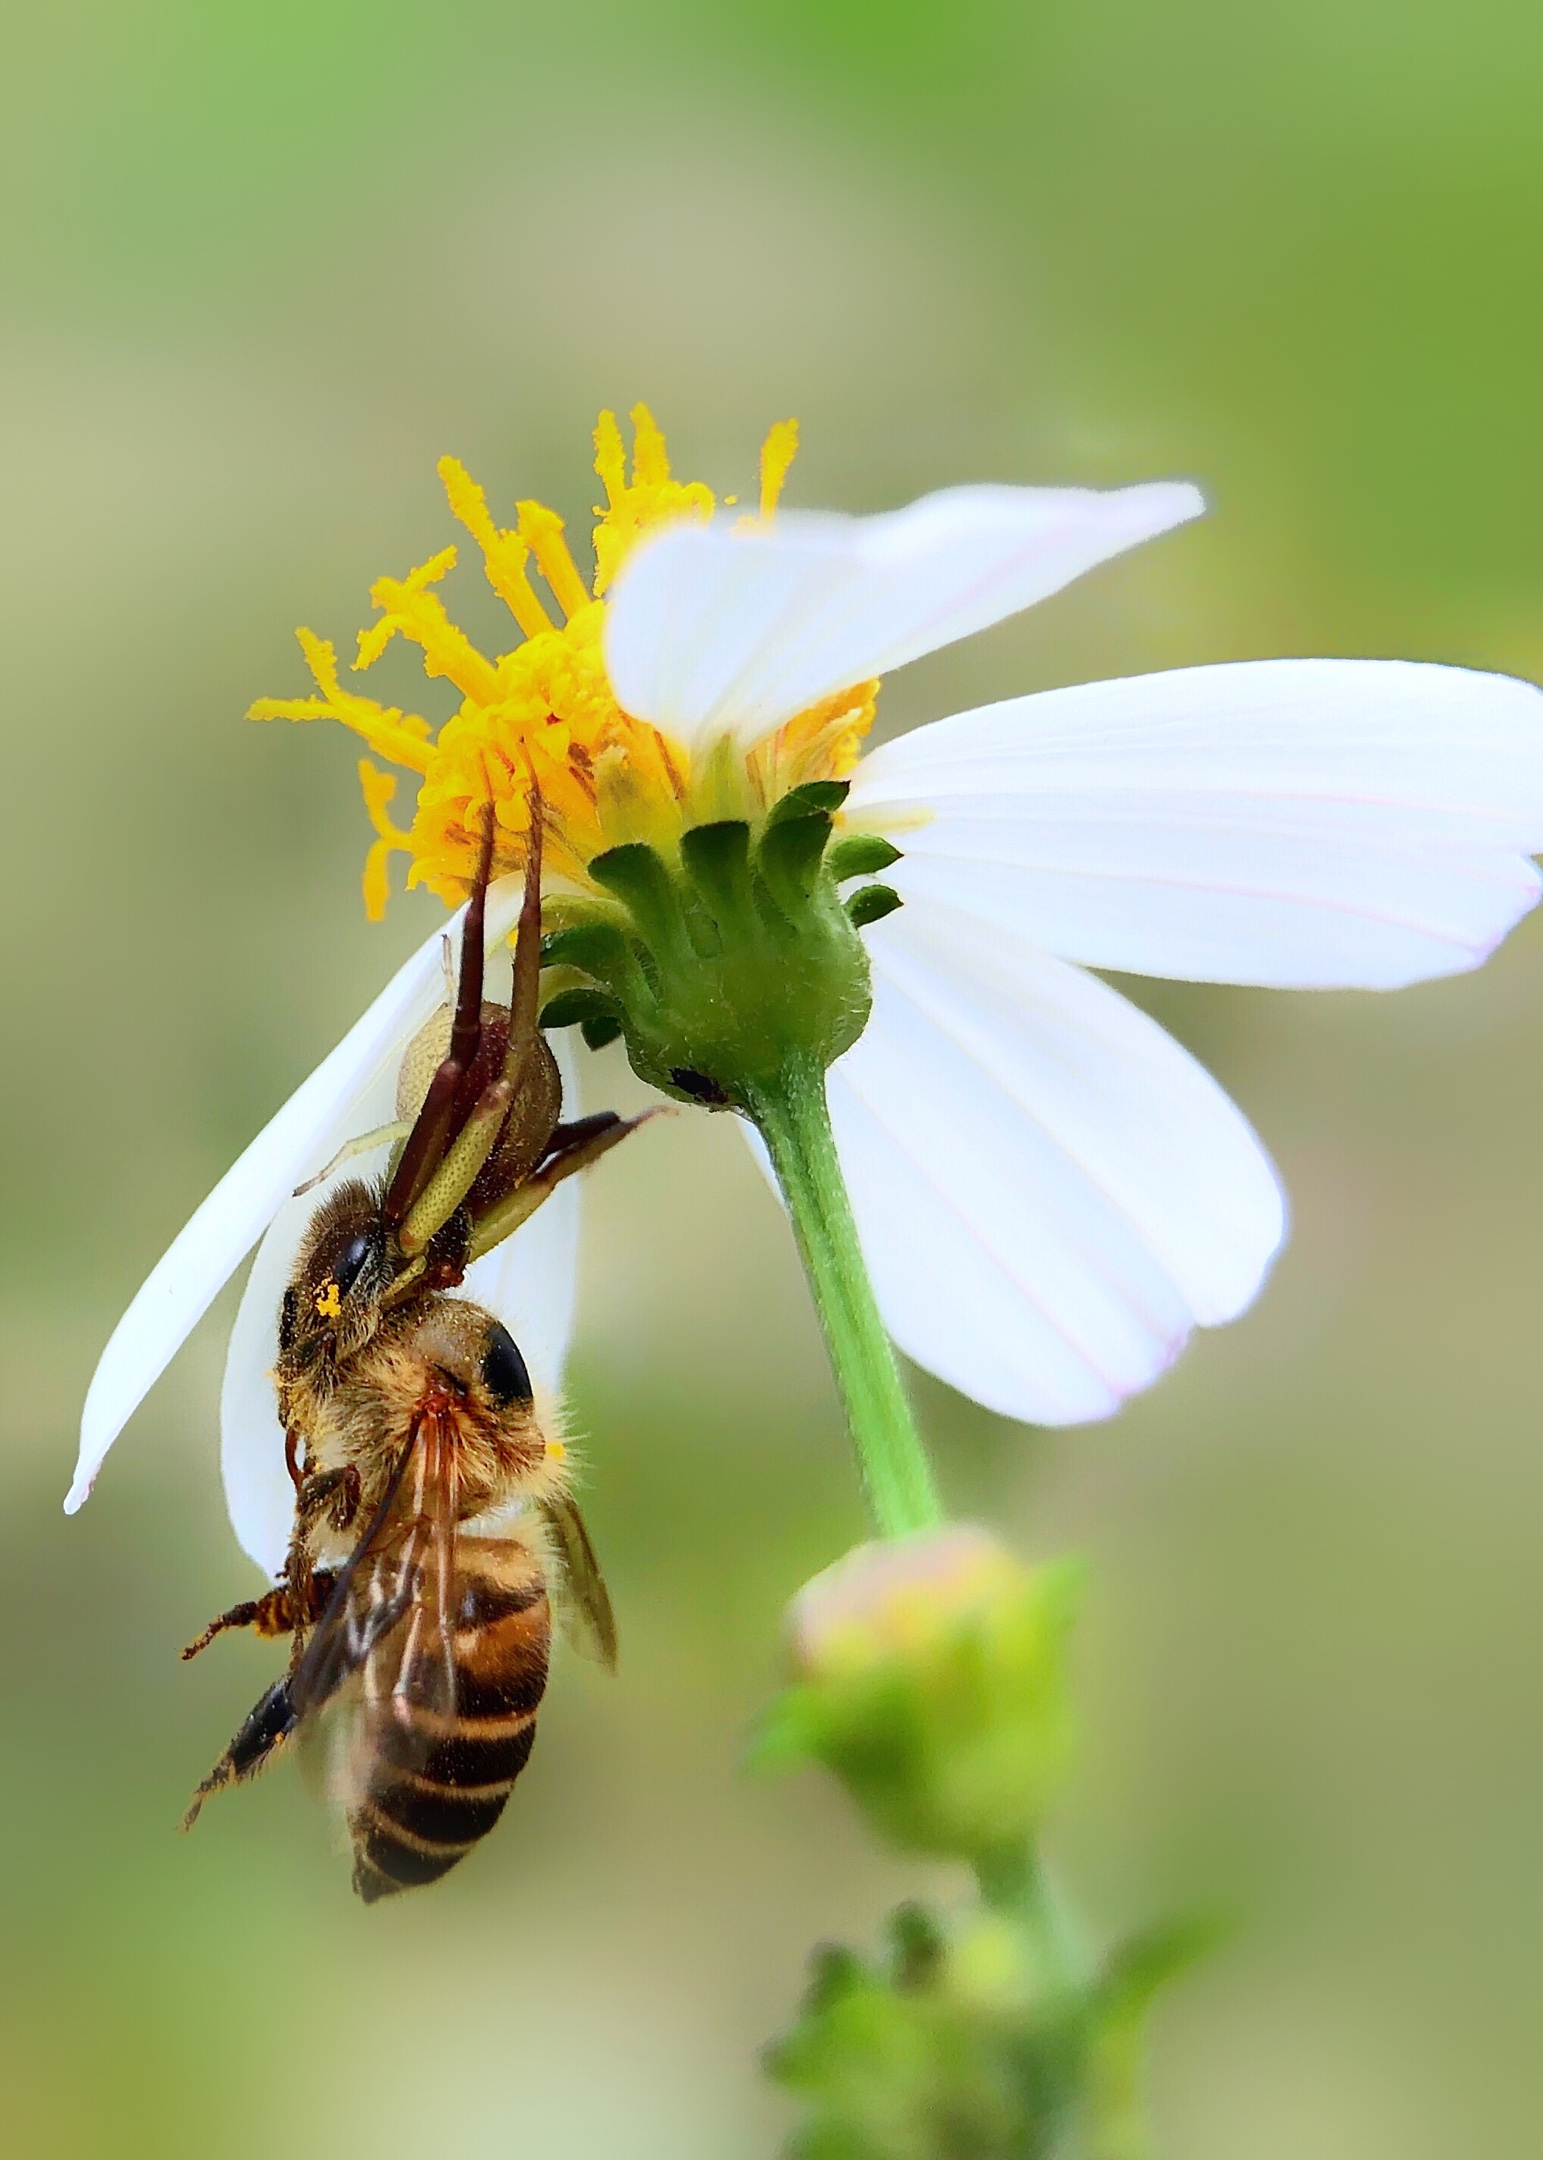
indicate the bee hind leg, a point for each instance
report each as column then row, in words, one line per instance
column 266, row 1729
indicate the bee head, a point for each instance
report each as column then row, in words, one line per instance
column 333, row 1300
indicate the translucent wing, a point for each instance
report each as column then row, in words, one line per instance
column 374, row 1591
column 370, row 1599
column 392, row 1623
column 587, row 1618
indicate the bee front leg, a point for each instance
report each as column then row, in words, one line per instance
column 333, row 1495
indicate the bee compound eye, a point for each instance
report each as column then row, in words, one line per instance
column 356, row 1253
column 504, row 1372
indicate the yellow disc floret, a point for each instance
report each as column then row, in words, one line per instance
column 544, row 712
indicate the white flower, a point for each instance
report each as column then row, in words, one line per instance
column 528, row 1282
column 1050, row 1192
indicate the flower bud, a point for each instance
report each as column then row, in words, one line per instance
column 950, row 2043
column 929, row 1676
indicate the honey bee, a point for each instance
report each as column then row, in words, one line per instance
column 432, row 1505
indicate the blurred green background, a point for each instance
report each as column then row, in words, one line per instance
column 261, row 266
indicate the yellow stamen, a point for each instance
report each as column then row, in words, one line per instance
column 409, row 610
column 650, row 459
column 650, row 498
column 545, row 711
column 777, row 454
column 504, row 554
column 379, row 790
column 610, row 461
column 390, row 733
column 542, row 531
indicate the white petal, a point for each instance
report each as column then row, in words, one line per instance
column 312, row 1124
column 713, row 631
column 530, row 1282
column 1315, row 823
column 1049, row 1190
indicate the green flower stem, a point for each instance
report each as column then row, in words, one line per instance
column 794, row 1121
column 1013, row 1882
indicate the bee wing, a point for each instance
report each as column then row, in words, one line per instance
column 587, row 1618
column 401, row 1640
column 374, row 1591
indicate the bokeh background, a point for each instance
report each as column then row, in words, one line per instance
column 261, row 266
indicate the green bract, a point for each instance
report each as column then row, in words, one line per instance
column 955, row 2043
column 731, row 963
column 965, row 2039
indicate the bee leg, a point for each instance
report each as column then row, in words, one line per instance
column 263, row 1732
column 271, row 1614
column 282, row 1611
column 334, row 1493
column 443, row 1105
column 574, row 1147
column 278, row 1612
column 366, row 1144
column 462, row 1160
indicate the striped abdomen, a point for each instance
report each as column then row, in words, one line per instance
column 448, row 1717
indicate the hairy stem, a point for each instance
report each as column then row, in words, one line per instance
column 794, row 1121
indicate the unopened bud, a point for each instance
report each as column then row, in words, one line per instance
column 929, row 1676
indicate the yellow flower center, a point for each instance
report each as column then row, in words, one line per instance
column 544, row 712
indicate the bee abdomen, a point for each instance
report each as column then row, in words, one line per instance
column 440, row 1778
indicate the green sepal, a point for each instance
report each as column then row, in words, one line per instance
column 916, row 1945
column 716, row 858
column 826, row 795
column 860, row 854
column 578, row 1008
column 592, row 946
column 870, row 904
column 638, row 876
column 957, row 2042
column 602, row 1029
column 601, row 950
column 790, row 854
column 834, row 1971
